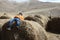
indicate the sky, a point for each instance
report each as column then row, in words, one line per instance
column 50, row 0
column 20, row 0
column 39, row 0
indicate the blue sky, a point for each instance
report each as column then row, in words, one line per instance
column 39, row 0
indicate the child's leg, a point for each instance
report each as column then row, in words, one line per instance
column 18, row 22
column 10, row 24
column 11, row 21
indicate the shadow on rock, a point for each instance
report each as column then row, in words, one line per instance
column 54, row 25
column 29, row 30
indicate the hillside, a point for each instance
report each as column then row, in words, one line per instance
column 7, row 6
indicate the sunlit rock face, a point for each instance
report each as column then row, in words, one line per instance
column 41, row 19
column 30, row 31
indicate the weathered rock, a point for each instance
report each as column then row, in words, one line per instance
column 5, row 16
column 37, row 31
column 53, row 36
column 53, row 25
column 31, row 31
column 41, row 19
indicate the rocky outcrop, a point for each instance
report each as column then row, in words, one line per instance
column 41, row 19
column 30, row 31
column 53, row 25
column 5, row 16
column 32, row 28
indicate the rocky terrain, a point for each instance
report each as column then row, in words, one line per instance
column 42, row 20
column 8, row 6
column 37, row 27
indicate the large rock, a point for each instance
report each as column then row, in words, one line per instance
column 53, row 25
column 5, row 16
column 30, row 31
column 41, row 19
column 37, row 31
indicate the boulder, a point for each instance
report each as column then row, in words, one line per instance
column 30, row 31
column 53, row 25
column 41, row 19
column 5, row 16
